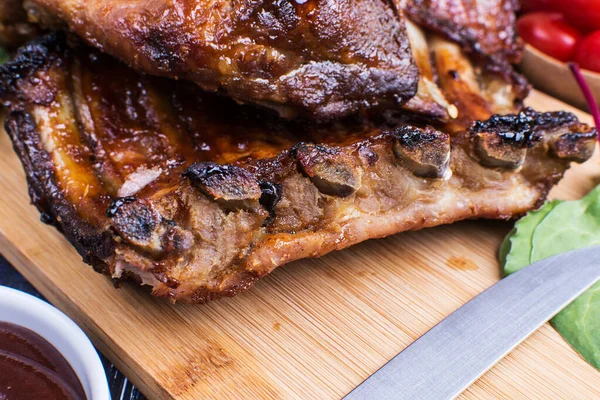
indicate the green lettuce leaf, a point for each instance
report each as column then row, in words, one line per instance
column 515, row 252
column 557, row 227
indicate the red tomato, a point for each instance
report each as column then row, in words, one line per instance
column 588, row 52
column 549, row 33
column 583, row 14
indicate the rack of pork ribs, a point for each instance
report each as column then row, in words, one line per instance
column 158, row 181
column 314, row 58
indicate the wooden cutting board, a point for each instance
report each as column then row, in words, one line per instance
column 313, row 329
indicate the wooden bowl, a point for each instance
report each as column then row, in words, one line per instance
column 555, row 77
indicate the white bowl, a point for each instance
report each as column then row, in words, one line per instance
column 30, row 312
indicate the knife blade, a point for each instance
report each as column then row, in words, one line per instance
column 447, row 359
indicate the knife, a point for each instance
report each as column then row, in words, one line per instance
column 453, row 354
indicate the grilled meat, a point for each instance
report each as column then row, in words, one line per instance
column 485, row 27
column 453, row 88
column 14, row 28
column 199, row 197
column 320, row 58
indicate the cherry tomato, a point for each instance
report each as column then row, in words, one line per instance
column 582, row 14
column 549, row 33
column 588, row 52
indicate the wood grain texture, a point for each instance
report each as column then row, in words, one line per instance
column 313, row 329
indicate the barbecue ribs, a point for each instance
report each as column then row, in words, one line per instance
column 320, row 58
column 197, row 196
column 484, row 27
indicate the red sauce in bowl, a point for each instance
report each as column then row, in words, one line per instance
column 31, row 368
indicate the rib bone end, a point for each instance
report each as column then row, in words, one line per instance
column 229, row 185
column 426, row 152
column 574, row 146
column 333, row 172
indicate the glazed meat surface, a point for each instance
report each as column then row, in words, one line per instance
column 199, row 197
column 318, row 58
column 487, row 27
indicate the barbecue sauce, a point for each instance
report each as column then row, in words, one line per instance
column 31, row 368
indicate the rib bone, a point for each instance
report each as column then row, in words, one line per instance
column 425, row 152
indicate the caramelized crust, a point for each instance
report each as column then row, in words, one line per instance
column 198, row 196
column 486, row 27
column 320, row 58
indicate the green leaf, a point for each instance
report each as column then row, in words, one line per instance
column 579, row 324
column 515, row 252
column 557, row 227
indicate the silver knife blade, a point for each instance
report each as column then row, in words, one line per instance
column 453, row 354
